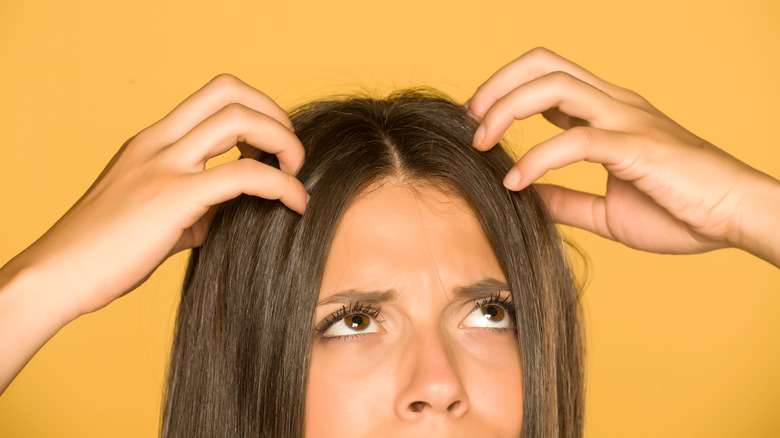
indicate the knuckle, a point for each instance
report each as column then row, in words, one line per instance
column 225, row 86
column 246, row 168
column 169, row 159
column 561, row 79
column 542, row 56
column 633, row 98
column 495, row 115
column 224, row 81
column 540, row 52
column 138, row 140
column 584, row 136
column 477, row 94
column 246, row 172
column 235, row 113
column 140, row 144
column 634, row 95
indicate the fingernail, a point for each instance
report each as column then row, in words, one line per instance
column 512, row 179
column 479, row 135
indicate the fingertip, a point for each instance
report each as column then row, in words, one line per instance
column 512, row 179
column 297, row 198
column 299, row 167
column 479, row 137
column 306, row 199
column 291, row 161
column 305, row 204
column 474, row 113
column 300, row 208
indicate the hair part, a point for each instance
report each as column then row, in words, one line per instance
column 240, row 357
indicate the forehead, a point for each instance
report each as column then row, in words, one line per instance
column 401, row 237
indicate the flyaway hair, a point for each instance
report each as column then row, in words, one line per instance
column 241, row 349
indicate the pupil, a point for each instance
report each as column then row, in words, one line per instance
column 491, row 312
column 357, row 321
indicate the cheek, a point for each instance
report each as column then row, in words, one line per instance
column 346, row 391
column 494, row 380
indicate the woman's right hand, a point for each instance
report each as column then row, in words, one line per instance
column 153, row 199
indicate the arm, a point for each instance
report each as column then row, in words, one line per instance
column 756, row 226
column 668, row 190
column 32, row 310
column 154, row 198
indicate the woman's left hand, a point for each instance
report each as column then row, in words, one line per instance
column 667, row 190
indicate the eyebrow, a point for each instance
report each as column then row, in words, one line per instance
column 480, row 289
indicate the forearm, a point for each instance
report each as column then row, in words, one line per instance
column 34, row 306
column 757, row 225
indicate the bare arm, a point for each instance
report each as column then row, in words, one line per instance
column 154, row 198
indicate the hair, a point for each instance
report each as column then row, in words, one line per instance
column 241, row 350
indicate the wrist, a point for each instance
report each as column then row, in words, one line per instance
column 756, row 225
column 33, row 308
column 41, row 285
column 53, row 275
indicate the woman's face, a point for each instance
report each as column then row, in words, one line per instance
column 414, row 333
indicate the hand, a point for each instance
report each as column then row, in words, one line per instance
column 155, row 198
column 667, row 190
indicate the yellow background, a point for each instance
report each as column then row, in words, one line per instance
column 679, row 346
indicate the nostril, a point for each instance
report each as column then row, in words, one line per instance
column 416, row 406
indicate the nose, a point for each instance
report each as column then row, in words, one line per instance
column 431, row 384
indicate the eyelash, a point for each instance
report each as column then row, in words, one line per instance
column 353, row 309
column 506, row 303
column 374, row 312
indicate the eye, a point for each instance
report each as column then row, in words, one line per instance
column 488, row 315
column 354, row 324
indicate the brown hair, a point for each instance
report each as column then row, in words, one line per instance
column 240, row 355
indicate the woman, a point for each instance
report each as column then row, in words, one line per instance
column 415, row 283
column 155, row 199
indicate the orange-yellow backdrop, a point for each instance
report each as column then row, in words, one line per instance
column 679, row 346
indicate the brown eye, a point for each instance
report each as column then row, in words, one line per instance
column 493, row 313
column 490, row 314
column 357, row 321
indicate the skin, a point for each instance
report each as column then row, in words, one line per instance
column 156, row 198
column 153, row 199
column 422, row 368
column 656, row 200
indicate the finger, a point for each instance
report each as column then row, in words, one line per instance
column 557, row 90
column 234, row 124
column 218, row 93
column 613, row 149
column 561, row 120
column 195, row 235
column 226, row 181
column 532, row 65
column 577, row 209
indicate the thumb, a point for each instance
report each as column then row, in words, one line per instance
column 575, row 208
